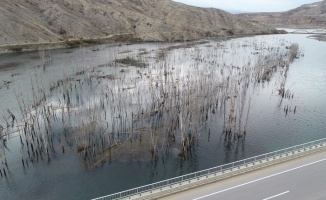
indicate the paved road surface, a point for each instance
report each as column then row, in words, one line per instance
column 300, row 179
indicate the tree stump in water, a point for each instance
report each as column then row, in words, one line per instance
column 1, row 131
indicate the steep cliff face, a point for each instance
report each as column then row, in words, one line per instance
column 309, row 15
column 40, row 21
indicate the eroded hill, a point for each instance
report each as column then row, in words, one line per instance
column 306, row 16
column 43, row 21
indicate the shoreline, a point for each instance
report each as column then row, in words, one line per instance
column 119, row 38
column 319, row 37
column 28, row 47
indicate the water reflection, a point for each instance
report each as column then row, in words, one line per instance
column 83, row 83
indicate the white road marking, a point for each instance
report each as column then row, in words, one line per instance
column 289, row 170
column 277, row 195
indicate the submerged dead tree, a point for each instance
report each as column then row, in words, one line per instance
column 139, row 105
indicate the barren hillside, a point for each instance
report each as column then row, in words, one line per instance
column 36, row 21
column 309, row 15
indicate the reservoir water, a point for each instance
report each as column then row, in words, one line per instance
column 269, row 121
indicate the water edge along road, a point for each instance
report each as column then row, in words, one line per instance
column 301, row 179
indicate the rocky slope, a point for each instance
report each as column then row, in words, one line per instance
column 44, row 21
column 309, row 15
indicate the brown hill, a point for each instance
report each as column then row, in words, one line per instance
column 306, row 16
column 43, row 21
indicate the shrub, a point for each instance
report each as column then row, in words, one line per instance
column 62, row 31
column 294, row 48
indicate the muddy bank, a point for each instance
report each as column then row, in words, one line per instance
column 320, row 37
column 121, row 38
column 17, row 48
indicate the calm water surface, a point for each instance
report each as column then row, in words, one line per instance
column 269, row 128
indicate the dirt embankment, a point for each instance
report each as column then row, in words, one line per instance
column 33, row 24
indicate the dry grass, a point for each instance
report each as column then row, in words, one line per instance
column 128, row 61
column 294, row 50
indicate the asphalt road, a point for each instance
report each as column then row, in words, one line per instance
column 300, row 179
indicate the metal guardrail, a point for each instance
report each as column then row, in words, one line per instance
column 219, row 169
